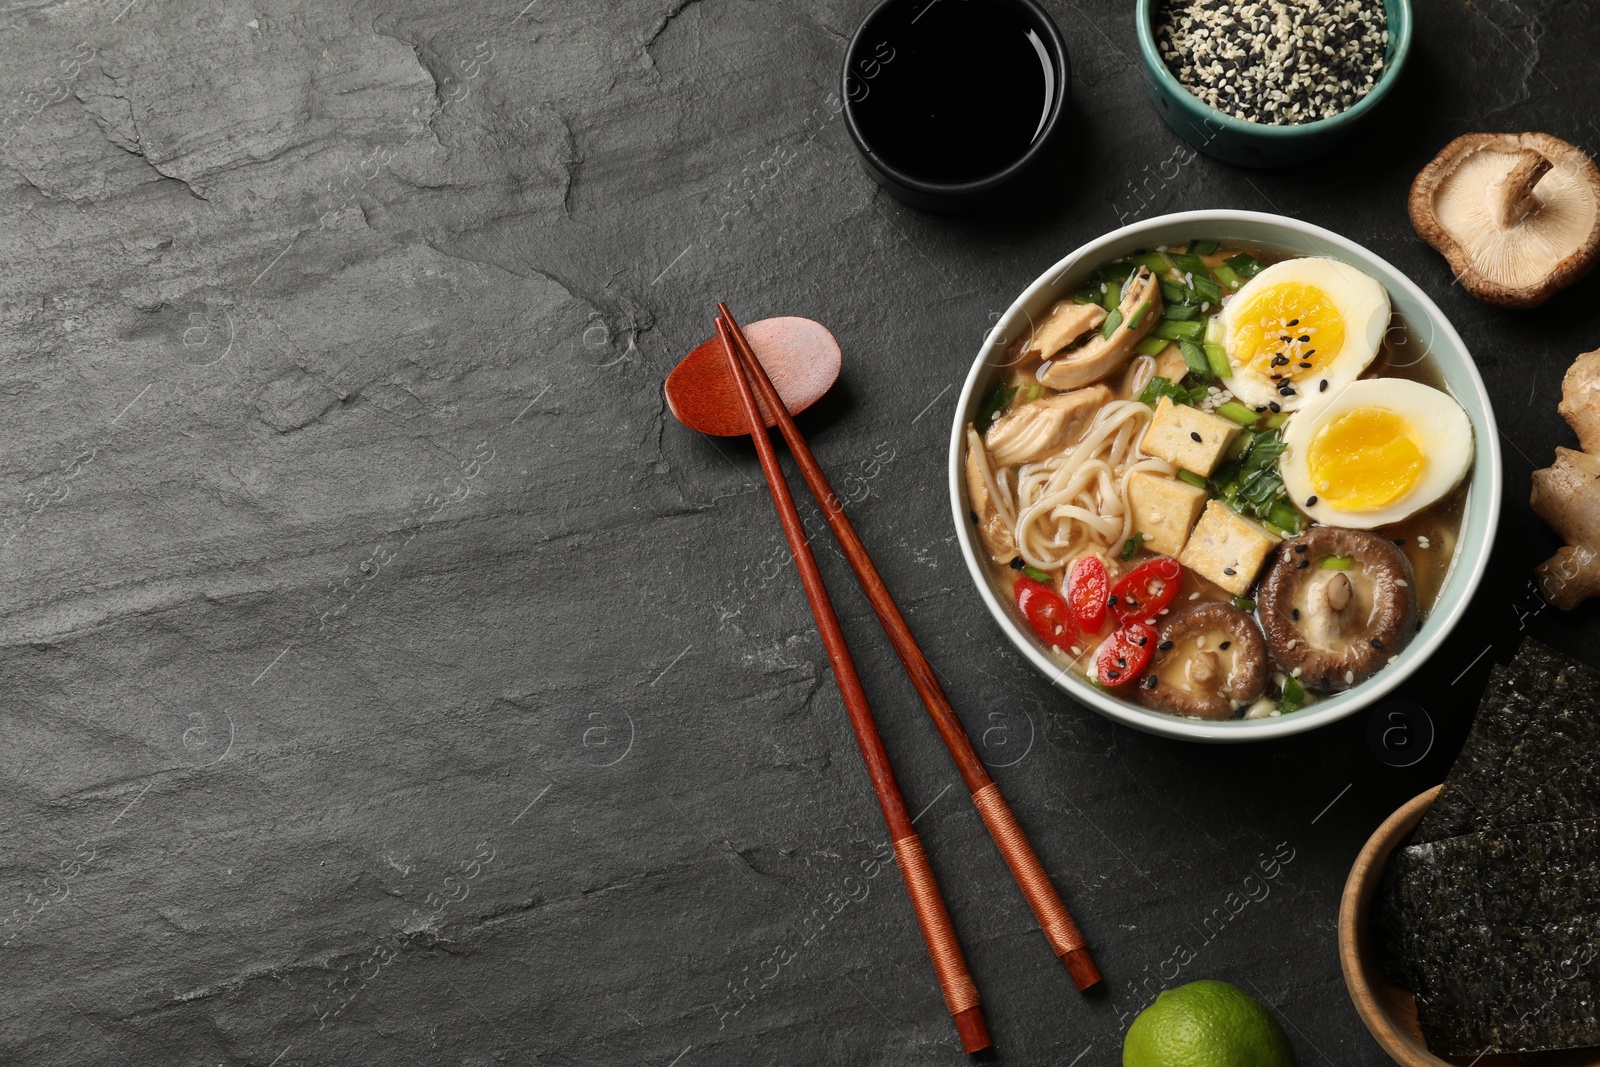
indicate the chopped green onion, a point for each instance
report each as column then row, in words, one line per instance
column 1109, row 327
column 1244, row 264
column 1294, row 696
column 1176, row 331
column 1217, row 356
column 1249, row 482
column 1335, row 563
column 1151, row 346
column 1118, row 271
column 1034, row 392
column 1195, row 356
column 1193, row 479
column 1138, row 313
column 1111, row 297
column 1203, row 248
column 1130, row 547
column 1036, row 574
column 1238, row 413
column 1193, row 266
column 1227, row 276
column 1154, row 262
column 1284, row 517
column 1276, row 421
column 1086, row 296
column 1159, row 387
column 1208, row 290
column 998, row 400
column 1214, row 333
column 1244, row 604
column 1176, row 292
column 1180, row 312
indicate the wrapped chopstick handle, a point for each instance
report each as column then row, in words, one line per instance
column 1059, row 928
column 949, row 965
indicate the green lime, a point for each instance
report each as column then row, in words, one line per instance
column 1206, row 1024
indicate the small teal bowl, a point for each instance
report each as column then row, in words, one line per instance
column 1251, row 144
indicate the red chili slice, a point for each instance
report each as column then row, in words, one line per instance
column 1146, row 589
column 1125, row 653
column 1046, row 612
column 1088, row 585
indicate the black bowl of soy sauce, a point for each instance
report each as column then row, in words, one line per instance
column 954, row 103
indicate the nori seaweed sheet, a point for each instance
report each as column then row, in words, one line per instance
column 1533, row 754
column 1514, row 937
column 1491, row 913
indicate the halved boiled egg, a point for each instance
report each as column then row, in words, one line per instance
column 1377, row 451
column 1299, row 324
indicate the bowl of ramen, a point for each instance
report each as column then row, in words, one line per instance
column 1225, row 475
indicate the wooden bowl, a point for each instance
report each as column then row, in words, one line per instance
column 1389, row 1011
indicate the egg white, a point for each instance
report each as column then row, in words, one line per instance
column 1361, row 302
column 1443, row 428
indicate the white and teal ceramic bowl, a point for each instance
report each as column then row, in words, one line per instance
column 1428, row 326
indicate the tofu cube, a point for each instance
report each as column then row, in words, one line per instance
column 1188, row 437
column 1164, row 510
column 1227, row 548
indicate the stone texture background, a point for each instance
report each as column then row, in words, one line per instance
column 389, row 679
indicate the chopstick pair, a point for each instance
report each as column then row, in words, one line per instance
column 949, row 965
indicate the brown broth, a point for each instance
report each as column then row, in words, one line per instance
column 1440, row 522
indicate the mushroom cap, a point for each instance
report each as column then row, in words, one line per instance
column 1513, row 232
column 1214, row 662
column 1338, row 627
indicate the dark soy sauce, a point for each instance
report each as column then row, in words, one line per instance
column 953, row 90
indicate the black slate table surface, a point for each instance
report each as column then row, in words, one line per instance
column 390, row 679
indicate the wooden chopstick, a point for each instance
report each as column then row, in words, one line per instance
column 1054, row 919
column 949, row 965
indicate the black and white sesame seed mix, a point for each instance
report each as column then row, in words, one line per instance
column 1276, row 62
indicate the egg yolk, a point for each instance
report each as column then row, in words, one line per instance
column 1292, row 331
column 1365, row 459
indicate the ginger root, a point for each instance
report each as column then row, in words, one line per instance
column 1566, row 494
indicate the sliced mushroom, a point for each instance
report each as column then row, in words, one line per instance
column 1516, row 214
column 1140, row 310
column 1333, row 628
column 1211, row 662
column 1032, row 431
column 1064, row 323
column 994, row 527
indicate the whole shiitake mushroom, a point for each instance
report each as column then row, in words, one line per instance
column 1517, row 215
